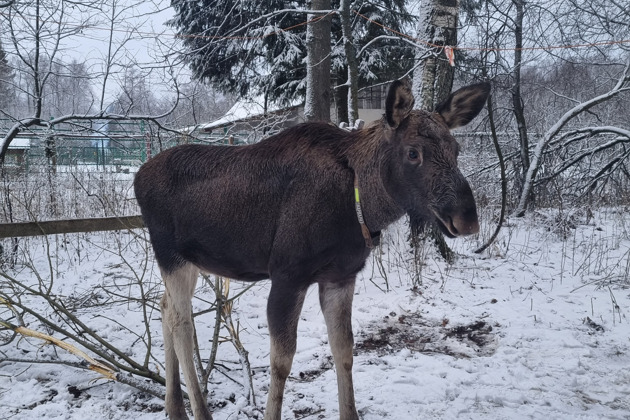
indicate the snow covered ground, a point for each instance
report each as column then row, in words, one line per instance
column 536, row 327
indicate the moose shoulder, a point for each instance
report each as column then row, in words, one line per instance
column 300, row 207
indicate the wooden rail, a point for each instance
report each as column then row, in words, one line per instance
column 14, row 230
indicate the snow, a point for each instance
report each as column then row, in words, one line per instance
column 20, row 143
column 534, row 328
column 242, row 110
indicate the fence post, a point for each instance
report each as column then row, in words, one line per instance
column 147, row 141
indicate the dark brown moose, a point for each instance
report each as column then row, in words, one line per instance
column 286, row 209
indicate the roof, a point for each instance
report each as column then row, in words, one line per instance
column 246, row 109
column 20, row 143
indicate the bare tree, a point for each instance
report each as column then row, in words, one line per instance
column 39, row 31
column 69, row 90
column 557, row 72
column 622, row 85
column 199, row 103
column 583, row 97
column 6, row 83
column 517, row 98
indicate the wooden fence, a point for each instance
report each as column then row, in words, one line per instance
column 14, row 230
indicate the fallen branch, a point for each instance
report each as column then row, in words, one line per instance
column 107, row 371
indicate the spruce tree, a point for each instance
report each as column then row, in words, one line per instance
column 249, row 48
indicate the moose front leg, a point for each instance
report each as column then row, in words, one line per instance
column 336, row 303
column 283, row 312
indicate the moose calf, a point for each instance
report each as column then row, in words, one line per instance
column 301, row 207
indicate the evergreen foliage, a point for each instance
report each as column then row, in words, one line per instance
column 240, row 47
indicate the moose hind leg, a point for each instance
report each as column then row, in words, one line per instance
column 336, row 303
column 174, row 399
column 178, row 341
column 283, row 312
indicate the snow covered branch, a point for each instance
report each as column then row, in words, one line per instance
column 623, row 137
column 622, row 85
column 244, row 28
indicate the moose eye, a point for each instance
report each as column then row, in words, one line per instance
column 414, row 155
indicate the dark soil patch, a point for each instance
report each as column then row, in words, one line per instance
column 308, row 413
column 412, row 331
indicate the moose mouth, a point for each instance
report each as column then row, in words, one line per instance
column 454, row 226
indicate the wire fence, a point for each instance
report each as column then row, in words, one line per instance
column 105, row 145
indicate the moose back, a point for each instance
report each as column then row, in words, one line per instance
column 301, row 207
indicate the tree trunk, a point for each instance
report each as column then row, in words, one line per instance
column 317, row 104
column 341, row 103
column 433, row 78
column 353, row 72
column 37, row 88
column 517, row 100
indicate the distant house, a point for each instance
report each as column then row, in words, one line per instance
column 17, row 152
column 249, row 120
column 372, row 103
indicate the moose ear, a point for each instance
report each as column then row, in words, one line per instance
column 464, row 104
column 399, row 102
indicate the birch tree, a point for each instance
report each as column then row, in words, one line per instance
column 433, row 77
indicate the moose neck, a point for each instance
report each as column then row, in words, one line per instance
column 368, row 156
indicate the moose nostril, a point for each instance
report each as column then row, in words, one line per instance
column 452, row 226
column 465, row 224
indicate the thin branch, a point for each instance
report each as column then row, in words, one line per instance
column 501, row 160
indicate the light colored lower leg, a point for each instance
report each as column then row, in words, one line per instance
column 336, row 303
column 281, row 361
column 174, row 399
column 283, row 315
column 180, row 287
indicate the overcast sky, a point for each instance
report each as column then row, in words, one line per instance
column 147, row 21
column 144, row 20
